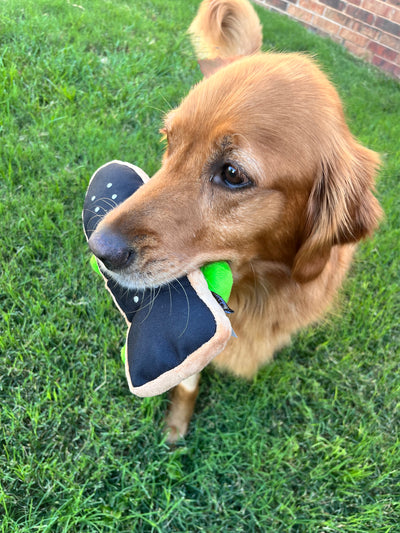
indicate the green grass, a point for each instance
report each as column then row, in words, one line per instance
column 311, row 445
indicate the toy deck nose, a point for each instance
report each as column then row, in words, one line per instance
column 111, row 248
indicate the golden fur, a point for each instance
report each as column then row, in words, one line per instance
column 289, row 235
column 225, row 28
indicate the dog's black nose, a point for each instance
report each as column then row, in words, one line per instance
column 111, row 248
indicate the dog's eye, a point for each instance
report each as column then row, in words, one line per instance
column 231, row 177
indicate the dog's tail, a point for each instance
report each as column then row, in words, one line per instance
column 224, row 30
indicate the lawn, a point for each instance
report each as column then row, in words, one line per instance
column 311, row 445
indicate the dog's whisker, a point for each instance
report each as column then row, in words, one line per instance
column 150, row 304
column 188, row 307
column 95, row 215
column 151, row 301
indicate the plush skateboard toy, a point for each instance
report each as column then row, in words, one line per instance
column 173, row 331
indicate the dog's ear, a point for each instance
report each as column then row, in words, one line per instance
column 341, row 208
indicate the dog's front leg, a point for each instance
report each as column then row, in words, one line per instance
column 183, row 400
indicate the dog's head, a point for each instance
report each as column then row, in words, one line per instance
column 260, row 170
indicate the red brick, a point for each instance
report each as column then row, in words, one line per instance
column 299, row 13
column 394, row 2
column 310, row 5
column 354, row 37
column 364, row 29
column 382, row 51
column 337, row 16
column 386, row 25
column 359, row 51
column 390, row 41
column 360, row 14
column 368, row 28
column 387, row 66
column 326, row 25
column 383, row 63
column 310, row 27
column 395, row 15
column 336, row 4
column 377, row 8
column 324, row 33
column 281, row 5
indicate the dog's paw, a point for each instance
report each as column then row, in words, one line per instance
column 175, row 433
column 183, row 399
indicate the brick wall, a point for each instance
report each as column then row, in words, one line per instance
column 367, row 28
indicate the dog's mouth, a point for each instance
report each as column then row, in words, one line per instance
column 162, row 273
column 137, row 268
column 141, row 280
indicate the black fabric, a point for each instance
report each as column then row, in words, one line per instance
column 109, row 186
column 168, row 323
column 169, row 326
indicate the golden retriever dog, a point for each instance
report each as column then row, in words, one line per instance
column 261, row 171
